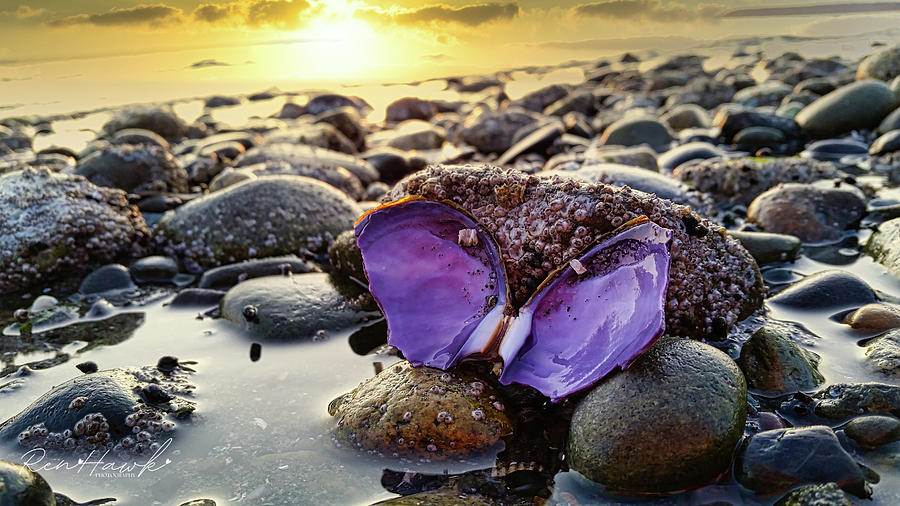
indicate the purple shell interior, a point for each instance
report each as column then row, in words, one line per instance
column 582, row 326
column 434, row 292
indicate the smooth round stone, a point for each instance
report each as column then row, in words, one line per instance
column 774, row 461
column 297, row 308
column 109, row 278
column 635, row 131
column 535, row 142
column 872, row 431
column 759, row 136
column 635, row 156
column 226, row 276
column 842, row 401
column 348, row 122
column 826, row 290
column 890, row 122
column 406, row 108
column 493, row 132
column 421, row 412
column 883, row 65
column 883, row 354
column 774, row 364
column 136, row 169
column 862, row 104
column 832, row 150
column 345, row 256
column 20, row 486
column 275, row 215
column 197, row 298
column 391, row 164
column 416, row 135
column 139, row 136
column 328, row 101
column 768, row 248
column 768, row 93
column 669, row 422
column 161, row 120
column 154, row 269
column 583, row 102
column 634, row 177
column 887, row 143
column 817, row 85
column 733, row 121
column 884, row 245
column 874, row 317
column 674, row 157
column 308, row 159
column 829, row 494
column 812, row 213
column 220, row 101
column 686, row 116
column 290, row 110
column 539, row 99
column 230, row 177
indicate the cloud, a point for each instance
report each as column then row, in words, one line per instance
column 212, row 13
column 202, row 64
column 137, row 15
column 25, row 12
column 285, row 14
column 653, row 10
column 468, row 15
column 811, row 10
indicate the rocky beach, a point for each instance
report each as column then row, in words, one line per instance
column 292, row 297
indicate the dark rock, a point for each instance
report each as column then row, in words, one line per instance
column 842, row 401
column 890, row 122
column 87, row 367
column 887, row 143
column 391, row 164
column 862, row 104
column 325, row 102
column 493, row 132
column 291, row 308
column 674, row 157
column 768, row 248
column 345, row 256
column 20, row 486
column 833, row 150
column 223, row 278
column 220, row 101
column 829, row 494
column 421, row 412
column 317, row 135
column 826, row 290
column 583, row 102
column 634, row 131
column 817, row 85
column 295, row 214
column 753, row 138
column 410, row 108
column 154, row 269
column 161, row 120
column 197, row 297
column 347, row 121
column 536, row 142
column 135, row 169
column 812, row 213
column 639, row 430
column 139, row 136
column 109, row 278
column 773, row 364
column 883, row 65
column 774, row 461
column 768, row 93
column 290, row 110
column 884, row 245
column 686, row 116
column 733, row 121
column 376, row 190
column 538, row 100
column 338, row 177
column 415, row 135
column 872, row 431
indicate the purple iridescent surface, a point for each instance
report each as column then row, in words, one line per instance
column 434, row 291
column 582, row 326
column 440, row 282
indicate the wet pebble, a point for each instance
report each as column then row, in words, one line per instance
column 671, row 159
column 774, row 364
column 883, row 354
column 887, row 143
column 226, row 276
column 19, row 485
column 634, row 131
column 829, row 494
column 154, row 269
column 884, row 245
column 874, row 318
column 830, row 290
column 768, row 248
column 812, row 213
column 862, row 104
column 842, row 401
column 109, row 278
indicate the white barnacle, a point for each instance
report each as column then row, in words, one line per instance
column 467, row 237
column 577, row 267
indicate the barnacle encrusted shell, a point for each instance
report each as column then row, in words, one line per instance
column 540, row 224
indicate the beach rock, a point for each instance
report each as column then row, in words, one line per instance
column 842, row 401
column 884, row 245
column 197, row 298
column 768, row 93
column 829, row 494
column 345, row 256
column 292, row 308
column 559, row 218
column 633, row 177
column 773, row 364
column 740, row 180
column 634, row 131
column 538, row 141
column 310, row 159
column 862, row 104
column 161, row 120
column 833, row 150
column 392, row 164
column 753, row 138
column 109, row 278
column 416, row 135
column 406, row 108
column 339, row 177
column 135, row 169
column 223, row 278
column 890, row 122
column 887, row 143
column 635, row 156
column 817, row 85
column 319, row 135
column 732, row 121
column 290, row 110
column 829, row 290
column 154, row 269
column 874, row 318
column 375, row 191
column 20, row 486
column 883, row 354
column 768, row 248
column 54, row 223
column 492, row 132
column 639, row 430
column 99, row 410
column 328, row 101
column 774, row 461
column 814, row 214
column 348, row 122
column 582, row 102
column 539, row 99
column 269, row 216
column 421, row 412
column 220, row 101
column 674, row 157
column 686, row 116
column 137, row 136
column 882, row 65
column 872, row 431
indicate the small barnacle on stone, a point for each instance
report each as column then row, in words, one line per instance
column 77, row 403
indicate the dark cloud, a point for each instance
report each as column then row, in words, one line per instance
column 212, row 13
column 285, row 14
column 649, row 9
column 139, row 14
column 811, row 10
column 469, row 15
column 202, row 64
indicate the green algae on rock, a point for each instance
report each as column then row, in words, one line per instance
column 540, row 224
column 669, row 422
column 829, row 494
column 270, row 216
column 58, row 223
column 421, row 412
column 772, row 363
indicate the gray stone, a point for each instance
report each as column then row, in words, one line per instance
column 161, row 120
column 883, row 354
column 634, row 131
column 308, row 157
column 492, row 132
column 667, row 423
column 883, row 65
column 887, row 143
column 223, row 278
column 20, row 486
column 686, row 116
column 872, row 431
column 826, row 290
column 135, row 169
column 842, row 401
column 862, row 104
column 773, row 364
column 884, row 245
column 674, row 157
column 768, row 93
column 812, row 213
column 109, row 278
column 768, row 248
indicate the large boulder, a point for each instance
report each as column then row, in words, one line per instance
column 862, row 104
column 812, row 213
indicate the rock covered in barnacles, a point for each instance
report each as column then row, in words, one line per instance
column 52, row 223
column 740, row 180
column 540, row 224
column 421, row 412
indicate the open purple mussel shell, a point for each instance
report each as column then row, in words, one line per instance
column 440, row 281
